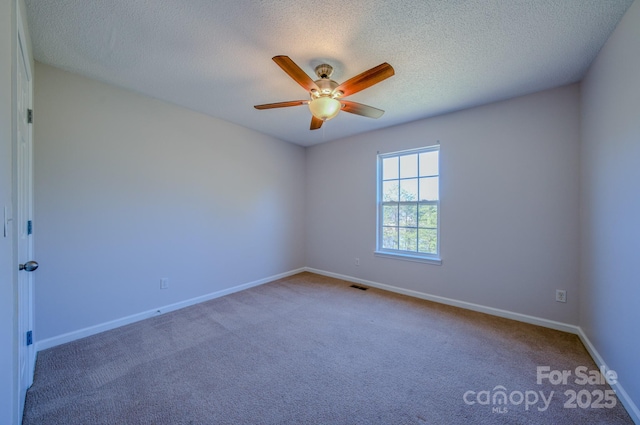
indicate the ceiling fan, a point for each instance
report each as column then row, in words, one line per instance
column 326, row 96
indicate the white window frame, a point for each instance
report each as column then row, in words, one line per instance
column 398, row 253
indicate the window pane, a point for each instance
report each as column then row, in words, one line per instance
column 390, row 215
column 390, row 237
column 390, row 191
column 408, row 215
column 390, row 168
column 429, row 163
column 428, row 216
column 427, row 241
column 408, row 240
column 408, row 166
column 429, row 189
column 409, row 190
column 408, row 203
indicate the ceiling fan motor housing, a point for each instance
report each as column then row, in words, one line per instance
column 325, row 87
column 324, row 70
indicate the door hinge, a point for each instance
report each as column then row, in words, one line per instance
column 29, row 227
column 29, row 337
column 29, row 116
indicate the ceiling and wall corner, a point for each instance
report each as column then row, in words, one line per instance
column 215, row 57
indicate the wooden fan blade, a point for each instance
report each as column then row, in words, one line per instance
column 366, row 79
column 282, row 104
column 295, row 72
column 316, row 123
column 360, row 109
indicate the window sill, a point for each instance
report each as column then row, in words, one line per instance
column 408, row 257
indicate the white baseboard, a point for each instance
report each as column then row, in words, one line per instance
column 628, row 403
column 631, row 407
column 626, row 400
column 92, row 330
column 456, row 303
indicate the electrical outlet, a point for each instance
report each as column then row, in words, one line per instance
column 561, row 295
column 164, row 283
column 357, row 261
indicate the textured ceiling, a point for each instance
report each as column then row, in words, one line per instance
column 215, row 56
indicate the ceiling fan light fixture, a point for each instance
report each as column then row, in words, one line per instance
column 325, row 107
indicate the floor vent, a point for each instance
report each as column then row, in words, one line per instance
column 362, row 288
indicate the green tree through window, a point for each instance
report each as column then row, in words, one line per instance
column 408, row 202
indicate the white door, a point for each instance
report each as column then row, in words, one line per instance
column 23, row 224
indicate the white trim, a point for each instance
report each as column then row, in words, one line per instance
column 629, row 404
column 25, row 292
column 552, row 324
column 92, row 330
column 408, row 255
column 398, row 255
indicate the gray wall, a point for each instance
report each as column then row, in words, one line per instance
column 130, row 190
column 610, row 183
column 509, row 202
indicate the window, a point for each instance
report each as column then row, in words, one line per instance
column 409, row 204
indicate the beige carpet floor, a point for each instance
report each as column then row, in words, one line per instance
column 312, row 350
